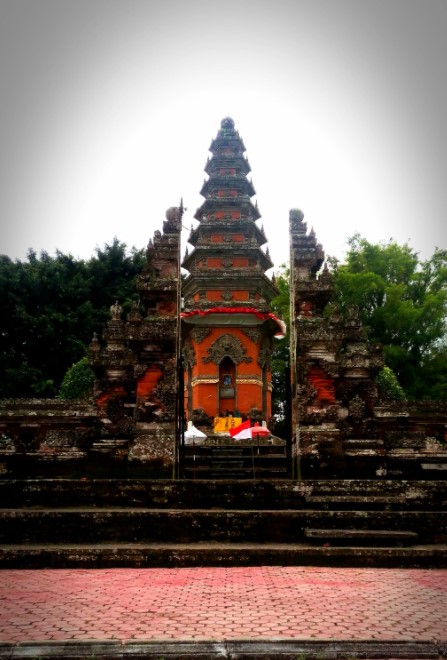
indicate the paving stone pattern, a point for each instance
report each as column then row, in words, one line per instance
column 217, row 603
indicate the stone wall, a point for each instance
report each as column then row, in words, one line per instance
column 57, row 438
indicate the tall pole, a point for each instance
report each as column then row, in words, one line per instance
column 179, row 378
column 288, row 415
column 294, row 417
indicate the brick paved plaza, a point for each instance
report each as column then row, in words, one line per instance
column 223, row 604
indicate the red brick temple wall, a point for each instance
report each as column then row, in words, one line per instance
column 324, row 385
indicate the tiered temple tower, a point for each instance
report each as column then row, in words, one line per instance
column 227, row 326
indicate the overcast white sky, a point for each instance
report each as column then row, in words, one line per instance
column 108, row 108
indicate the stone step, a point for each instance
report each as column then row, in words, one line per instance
column 158, row 555
column 234, row 470
column 364, row 502
column 235, row 461
column 354, row 537
column 234, row 456
column 139, row 522
column 83, row 524
column 224, row 493
column 184, row 493
column 362, row 443
column 239, row 448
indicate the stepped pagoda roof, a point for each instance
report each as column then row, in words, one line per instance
column 228, row 262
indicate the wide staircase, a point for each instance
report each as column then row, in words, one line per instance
column 59, row 523
column 236, row 461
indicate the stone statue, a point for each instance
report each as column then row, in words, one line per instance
column 116, row 311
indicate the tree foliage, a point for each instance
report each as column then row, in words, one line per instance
column 388, row 384
column 280, row 356
column 49, row 309
column 78, row 381
column 402, row 302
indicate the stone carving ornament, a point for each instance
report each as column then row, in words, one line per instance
column 199, row 334
column 189, row 354
column 252, row 334
column 265, row 354
column 134, row 315
column 227, row 346
column 357, row 408
column 249, row 380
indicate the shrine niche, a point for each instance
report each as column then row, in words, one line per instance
column 227, row 380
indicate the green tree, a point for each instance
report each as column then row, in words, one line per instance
column 49, row 309
column 77, row 382
column 280, row 355
column 389, row 387
column 432, row 380
column 112, row 271
column 402, row 302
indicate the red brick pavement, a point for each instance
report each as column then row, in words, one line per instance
column 262, row 603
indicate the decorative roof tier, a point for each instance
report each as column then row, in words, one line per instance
column 307, row 253
column 228, row 188
column 227, row 265
column 228, row 139
column 237, row 206
column 239, row 163
column 311, row 288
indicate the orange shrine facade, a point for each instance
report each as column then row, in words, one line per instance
column 227, row 327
